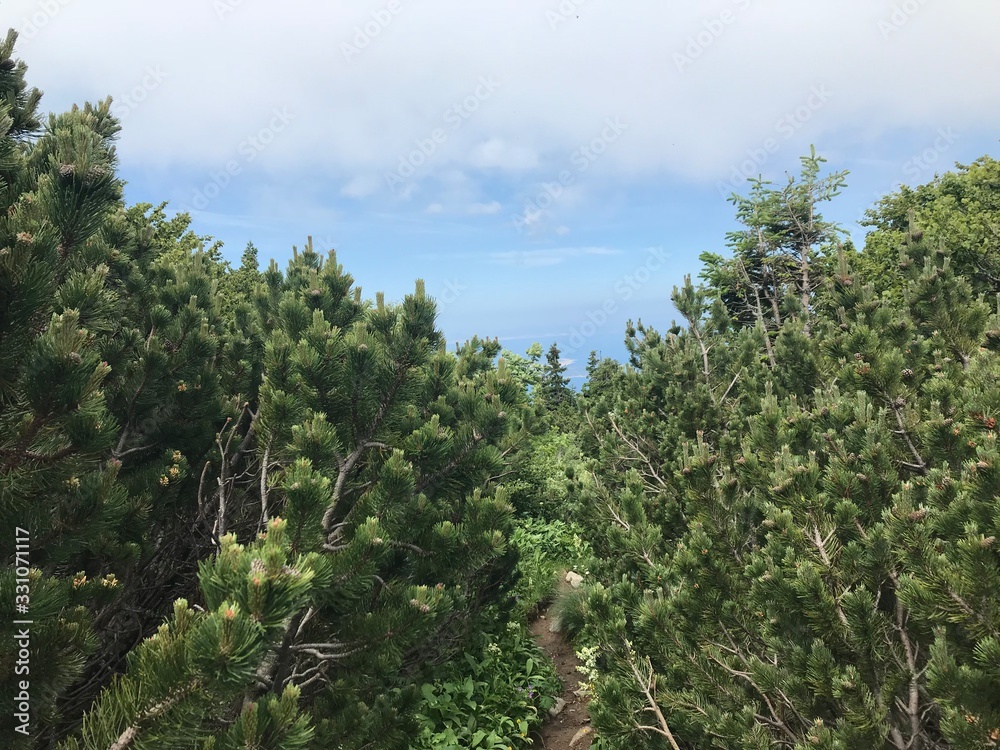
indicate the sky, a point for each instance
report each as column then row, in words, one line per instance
column 551, row 168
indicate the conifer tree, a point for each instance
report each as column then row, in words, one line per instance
column 598, row 399
column 773, row 272
column 55, row 426
column 793, row 548
column 377, row 446
column 381, row 452
column 554, row 387
column 186, row 682
column 959, row 208
column 110, row 392
column 156, row 403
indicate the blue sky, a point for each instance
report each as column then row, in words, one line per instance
column 551, row 168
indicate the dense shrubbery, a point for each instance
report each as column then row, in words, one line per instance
column 310, row 470
column 266, row 512
column 546, row 549
column 492, row 697
column 796, row 513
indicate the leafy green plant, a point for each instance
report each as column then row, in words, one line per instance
column 492, row 699
column 545, row 549
column 549, row 473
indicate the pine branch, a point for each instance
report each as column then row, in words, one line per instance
column 921, row 465
column 449, row 467
column 705, row 368
column 647, row 684
column 127, row 737
column 652, row 472
column 820, row 544
column 345, row 468
column 42, row 457
column 18, row 454
column 735, row 378
column 264, row 489
column 412, row 547
column 779, row 722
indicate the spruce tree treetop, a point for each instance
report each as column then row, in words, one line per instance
column 554, row 387
column 773, row 271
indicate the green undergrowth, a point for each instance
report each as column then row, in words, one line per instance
column 492, row 698
column 501, row 689
column 546, row 549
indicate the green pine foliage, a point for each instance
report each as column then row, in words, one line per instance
column 267, row 511
column 381, row 450
column 959, row 208
column 186, row 684
column 553, row 388
column 157, row 407
column 795, row 518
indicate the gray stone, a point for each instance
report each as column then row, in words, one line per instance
column 558, row 707
column 574, row 579
column 579, row 736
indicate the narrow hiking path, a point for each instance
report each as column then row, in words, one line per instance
column 571, row 727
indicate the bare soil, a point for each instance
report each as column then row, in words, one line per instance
column 557, row 732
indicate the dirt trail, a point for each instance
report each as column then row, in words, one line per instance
column 558, row 732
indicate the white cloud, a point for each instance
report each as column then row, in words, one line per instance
column 478, row 209
column 434, row 208
column 496, row 152
column 547, row 257
column 361, row 187
column 554, row 85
